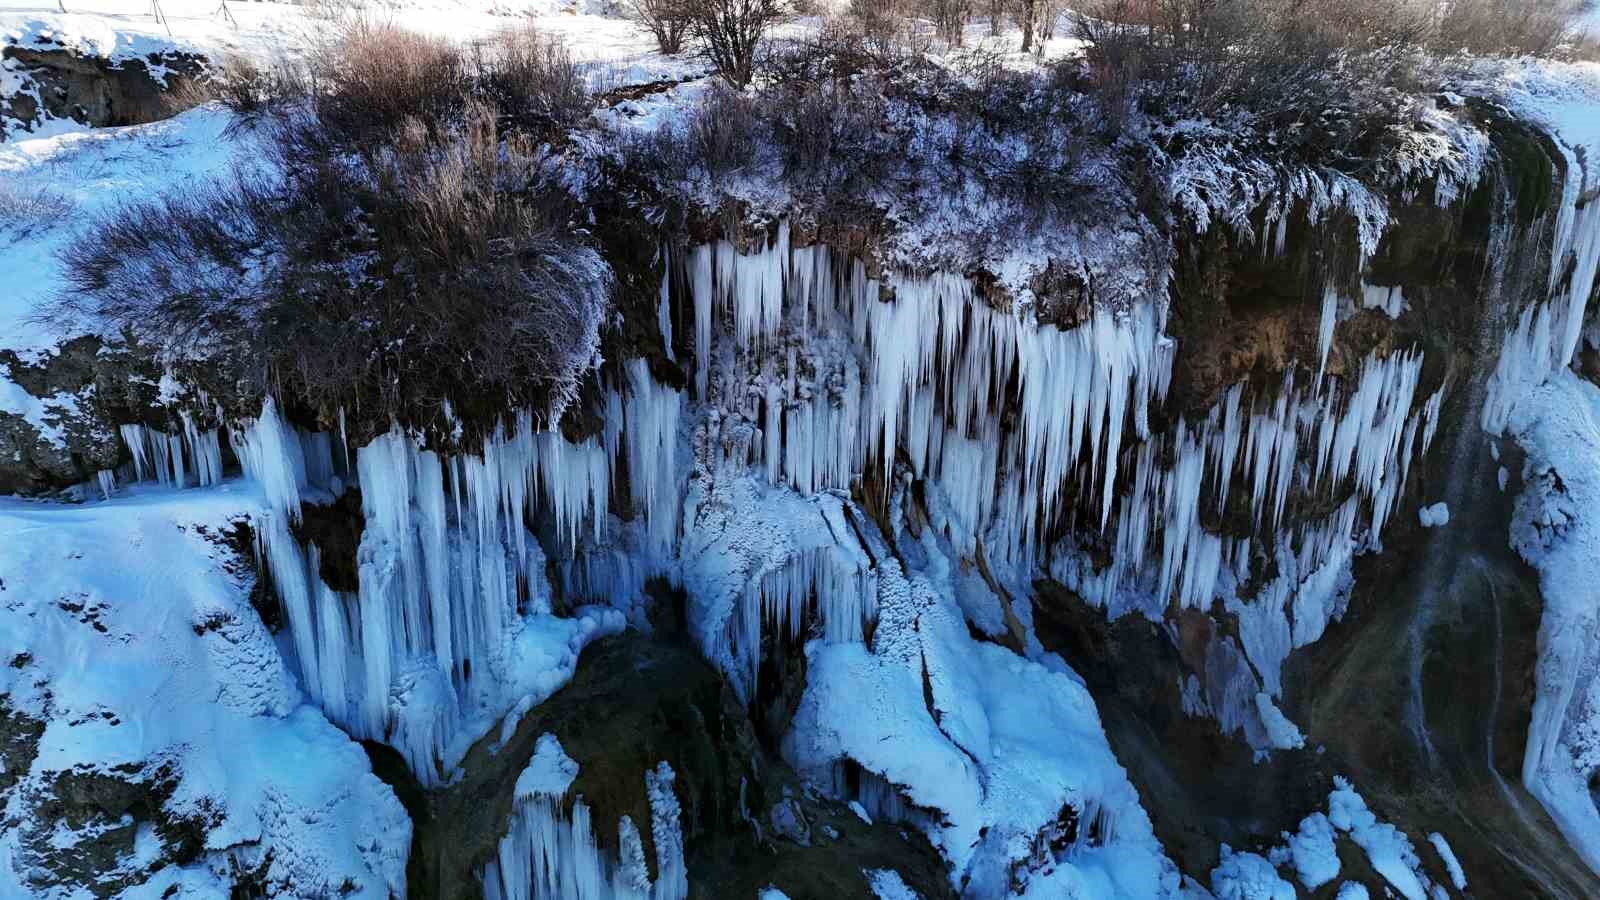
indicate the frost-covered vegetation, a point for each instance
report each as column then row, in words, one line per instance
column 403, row 211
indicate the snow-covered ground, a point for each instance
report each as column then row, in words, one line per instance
column 125, row 628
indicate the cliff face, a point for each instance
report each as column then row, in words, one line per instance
column 854, row 548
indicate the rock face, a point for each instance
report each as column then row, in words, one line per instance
column 635, row 702
column 60, row 83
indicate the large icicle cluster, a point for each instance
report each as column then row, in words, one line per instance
column 936, row 370
column 452, row 623
column 550, row 854
column 192, row 456
column 1364, row 441
column 1546, row 335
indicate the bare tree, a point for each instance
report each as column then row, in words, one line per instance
column 950, row 19
column 730, row 31
column 997, row 13
column 666, row 20
column 1026, row 14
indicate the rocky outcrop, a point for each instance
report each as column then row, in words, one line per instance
column 61, row 83
column 637, row 701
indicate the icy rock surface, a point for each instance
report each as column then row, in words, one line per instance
column 1553, row 528
column 551, row 853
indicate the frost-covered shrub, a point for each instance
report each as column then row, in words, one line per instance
column 1509, row 27
column 434, row 269
column 250, row 91
column 718, row 139
column 1322, row 73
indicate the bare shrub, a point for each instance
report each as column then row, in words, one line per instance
column 378, row 75
column 731, row 31
column 950, row 19
column 832, row 138
column 530, row 79
column 23, row 210
column 1508, row 27
column 1328, row 72
column 349, row 282
column 723, row 134
column 666, row 20
column 246, row 89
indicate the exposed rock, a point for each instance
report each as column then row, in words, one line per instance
column 61, row 83
column 634, row 702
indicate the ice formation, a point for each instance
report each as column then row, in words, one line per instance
column 551, row 854
column 191, row 456
column 813, row 380
column 927, row 726
column 1534, row 397
column 1553, row 528
column 1435, row 516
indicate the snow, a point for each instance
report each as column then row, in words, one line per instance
column 1387, row 848
column 771, row 893
column 1311, row 849
column 1247, row 876
column 1435, row 516
column 143, row 651
column 1352, row 890
column 886, row 884
column 976, row 765
column 88, row 174
column 1451, row 864
column 45, row 414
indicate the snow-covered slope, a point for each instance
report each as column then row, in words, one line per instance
column 176, row 755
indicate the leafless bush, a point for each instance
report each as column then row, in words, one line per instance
column 1326, row 72
column 1508, row 27
column 832, row 138
column 731, row 31
column 530, row 79
column 666, row 20
column 379, row 75
column 950, row 19
column 725, row 132
column 248, row 90
column 840, row 48
column 881, row 24
column 23, row 210
column 349, row 282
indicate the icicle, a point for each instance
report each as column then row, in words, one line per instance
column 1330, row 317
column 652, row 415
column 547, row 855
column 664, row 304
column 108, row 483
column 701, row 288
